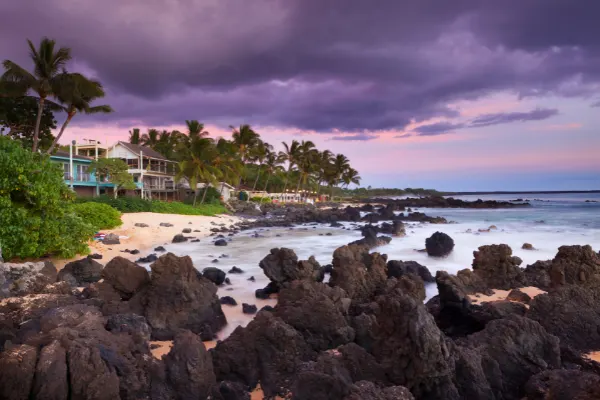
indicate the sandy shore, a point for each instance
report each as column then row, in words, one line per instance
column 500, row 295
column 146, row 239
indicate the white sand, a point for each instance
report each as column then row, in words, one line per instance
column 146, row 239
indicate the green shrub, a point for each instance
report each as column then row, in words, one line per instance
column 99, row 215
column 259, row 199
column 213, row 196
column 36, row 216
column 124, row 204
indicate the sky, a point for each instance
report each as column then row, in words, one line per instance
column 452, row 95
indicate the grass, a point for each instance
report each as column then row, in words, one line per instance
column 136, row 204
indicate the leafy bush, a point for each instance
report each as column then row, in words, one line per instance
column 259, row 199
column 136, row 204
column 123, row 204
column 213, row 196
column 99, row 215
column 36, row 216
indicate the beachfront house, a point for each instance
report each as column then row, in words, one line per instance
column 224, row 188
column 77, row 176
column 153, row 173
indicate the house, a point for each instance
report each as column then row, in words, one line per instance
column 224, row 188
column 77, row 176
column 153, row 173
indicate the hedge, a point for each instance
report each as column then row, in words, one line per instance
column 100, row 216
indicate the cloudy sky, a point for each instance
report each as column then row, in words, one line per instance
column 453, row 95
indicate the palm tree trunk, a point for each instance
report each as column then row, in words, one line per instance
column 204, row 194
column 195, row 196
column 266, row 184
column 62, row 130
column 256, row 180
column 38, row 121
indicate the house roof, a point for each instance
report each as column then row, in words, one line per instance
column 64, row 154
column 147, row 151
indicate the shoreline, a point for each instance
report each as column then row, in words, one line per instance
column 145, row 239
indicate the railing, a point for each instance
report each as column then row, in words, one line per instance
column 160, row 186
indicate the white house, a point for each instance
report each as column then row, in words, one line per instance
column 224, row 188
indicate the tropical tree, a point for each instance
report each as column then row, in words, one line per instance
column 199, row 167
column 134, row 136
column 339, row 166
column 273, row 166
column 195, row 129
column 306, row 162
column 323, row 161
column 259, row 155
column 150, row 139
column 17, row 120
column 291, row 155
column 115, row 171
column 76, row 93
column 245, row 139
column 350, row 175
column 46, row 80
column 227, row 161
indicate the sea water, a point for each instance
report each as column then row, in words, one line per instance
column 550, row 222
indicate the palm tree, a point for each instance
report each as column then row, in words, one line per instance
column 195, row 129
column 150, row 139
column 324, row 161
column 351, row 176
column 306, row 161
column 76, row 93
column 273, row 166
column 259, row 154
column 134, row 136
column 227, row 161
column 200, row 167
column 245, row 139
column 339, row 166
column 290, row 154
column 49, row 64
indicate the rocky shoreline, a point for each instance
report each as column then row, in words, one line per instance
column 365, row 333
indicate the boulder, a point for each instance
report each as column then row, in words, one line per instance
column 51, row 375
column 177, row 298
column 125, row 276
column 18, row 369
column 141, row 225
column 148, row 259
column 159, row 248
column 497, row 267
column 439, row 245
column 563, row 385
column 186, row 230
column 282, row 265
column 235, row 270
column 214, row 274
column 267, row 350
column 179, row 238
column 26, row 278
column 398, row 228
column 249, row 308
column 538, row 275
column 572, row 313
column 517, row 295
column 111, row 238
column 232, row 391
column 132, row 324
column 228, row 300
column 81, row 272
column 358, row 272
column 166, row 224
column 527, row 246
column 220, row 242
column 318, row 312
column 189, row 367
column 396, row 269
column 574, row 265
column 365, row 390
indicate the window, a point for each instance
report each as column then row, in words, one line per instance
column 82, row 173
column 66, row 172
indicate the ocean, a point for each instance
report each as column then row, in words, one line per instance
column 551, row 221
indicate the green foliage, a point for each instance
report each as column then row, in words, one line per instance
column 17, row 120
column 259, row 199
column 36, row 216
column 115, row 170
column 136, row 204
column 100, row 216
column 213, row 196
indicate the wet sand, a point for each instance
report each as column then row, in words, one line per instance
column 500, row 295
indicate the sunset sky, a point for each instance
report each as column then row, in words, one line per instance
column 452, row 95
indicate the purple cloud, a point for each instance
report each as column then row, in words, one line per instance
column 357, row 136
column 438, row 128
column 504, row 118
column 304, row 63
